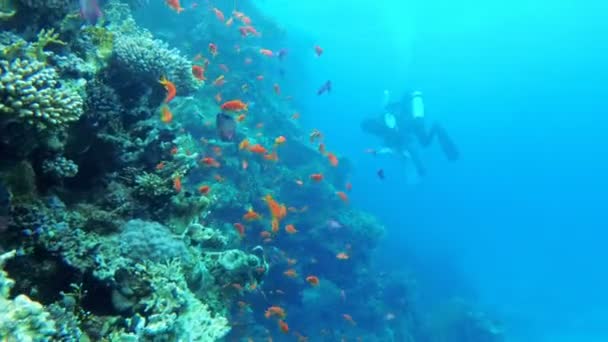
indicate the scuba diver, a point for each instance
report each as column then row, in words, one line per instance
column 401, row 123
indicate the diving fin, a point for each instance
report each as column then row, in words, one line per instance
column 447, row 145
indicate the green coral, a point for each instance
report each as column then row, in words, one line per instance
column 7, row 9
column 44, row 38
column 21, row 319
column 33, row 93
column 103, row 39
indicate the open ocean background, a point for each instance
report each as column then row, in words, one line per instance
column 519, row 224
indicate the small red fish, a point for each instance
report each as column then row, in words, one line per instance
column 295, row 116
column 322, row 148
column 240, row 228
column 204, row 189
column 267, row 52
column 260, row 77
column 169, row 87
column 317, row 177
column 177, row 184
column 348, row 186
column 229, row 22
column 160, row 166
column 234, row 105
column 219, row 81
column 218, row 97
column 244, row 165
column 312, row 280
column 342, row 196
column 175, row 5
column 284, row 327
column 224, row 68
column 218, row 14
column 209, row 161
column 277, row 89
column 290, row 229
column 342, row 256
column 198, row 72
column 257, row 148
column 333, row 160
column 213, row 49
column 165, row 115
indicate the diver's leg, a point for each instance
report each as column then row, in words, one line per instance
column 413, row 156
column 426, row 138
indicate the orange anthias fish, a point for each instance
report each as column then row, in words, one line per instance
column 278, row 211
column 257, row 148
column 342, row 256
column 160, row 166
column 165, row 115
column 348, row 186
column 348, row 318
column 204, row 189
column 312, row 280
column 218, row 14
column 267, row 53
column 244, row 144
column 229, row 21
column 169, row 87
column 224, row 68
column 342, row 196
column 251, row 215
column 244, row 164
column 240, row 118
column 177, row 184
column 277, row 89
column 290, row 229
column 198, row 72
column 260, row 77
column 234, row 105
column 275, row 311
column 283, row 326
column 219, row 81
column 213, row 49
column 291, row 273
column 175, row 5
column 218, row 97
column 209, row 161
column 272, row 156
column 280, row 140
column 240, row 228
column 333, row 160
column 322, row 148
column 317, row 177
column 295, row 116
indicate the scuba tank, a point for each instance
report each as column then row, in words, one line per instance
column 417, row 105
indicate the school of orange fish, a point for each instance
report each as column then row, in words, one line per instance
column 239, row 109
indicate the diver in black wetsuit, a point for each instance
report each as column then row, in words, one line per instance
column 401, row 123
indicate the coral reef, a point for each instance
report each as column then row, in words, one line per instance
column 22, row 319
column 32, row 93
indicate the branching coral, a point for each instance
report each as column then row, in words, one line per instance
column 31, row 92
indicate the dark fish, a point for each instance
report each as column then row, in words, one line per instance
column 282, row 53
column 380, row 173
column 90, row 11
column 226, row 127
column 325, row 88
column 5, row 207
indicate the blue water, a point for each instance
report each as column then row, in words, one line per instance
column 518, row 224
